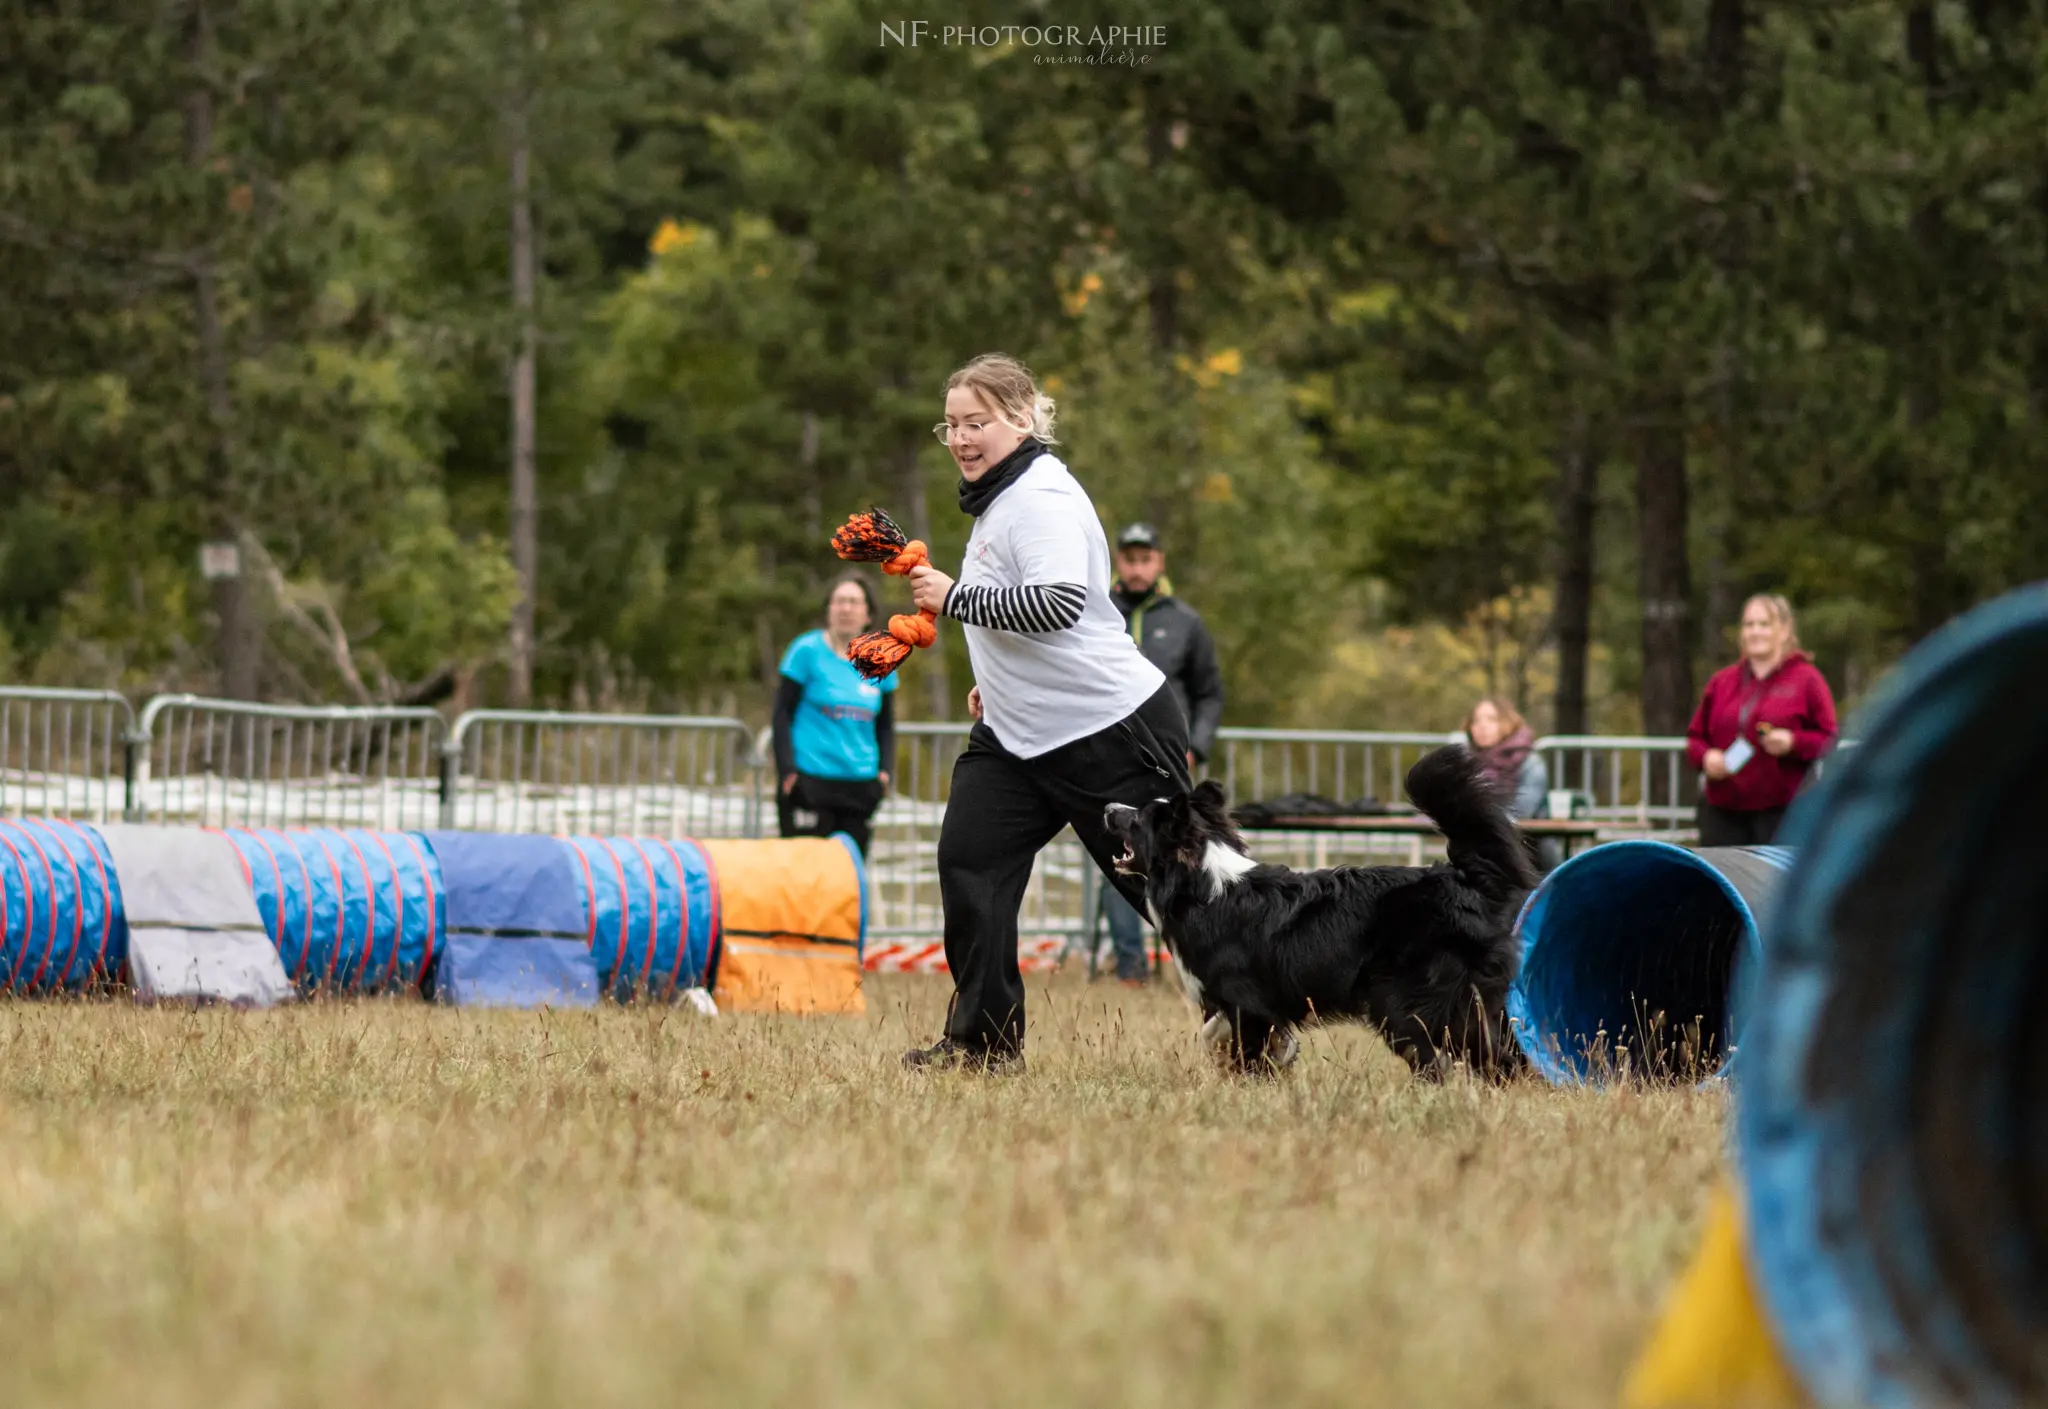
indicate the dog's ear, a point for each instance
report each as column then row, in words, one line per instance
column 1176, row 819
column 1209, row 795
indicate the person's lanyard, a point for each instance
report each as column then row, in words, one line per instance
column 1756, row 697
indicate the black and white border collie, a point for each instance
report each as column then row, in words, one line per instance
column 1425, row 954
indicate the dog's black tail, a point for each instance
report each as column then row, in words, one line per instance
column 1484, row 843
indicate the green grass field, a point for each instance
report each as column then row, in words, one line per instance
column 383, row 1204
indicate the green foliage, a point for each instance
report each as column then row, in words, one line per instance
column 1210, row 451
column 428, row 594
column 1330, row 291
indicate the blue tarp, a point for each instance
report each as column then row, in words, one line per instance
column 349, row 911
column 519, row 922
column 62, row 925
column 653, row 912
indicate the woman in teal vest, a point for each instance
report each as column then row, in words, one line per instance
column 835, row 733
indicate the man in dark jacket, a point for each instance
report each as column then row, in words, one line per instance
column 1171, row 634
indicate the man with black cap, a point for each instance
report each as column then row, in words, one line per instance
column 1172, row 635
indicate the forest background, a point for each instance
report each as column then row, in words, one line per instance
column 528, row 351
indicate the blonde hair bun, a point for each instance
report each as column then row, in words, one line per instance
column 1012, row 390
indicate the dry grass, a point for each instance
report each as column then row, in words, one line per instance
column 388, row 1204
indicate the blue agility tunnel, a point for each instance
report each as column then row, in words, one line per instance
column 476, row 917
column 349, row 911
column 61, row 921
column 1892, row 1102
column 1631, row 957
column 653, row 913
column 521, row 926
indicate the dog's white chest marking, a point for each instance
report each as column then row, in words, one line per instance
column 1224, row 867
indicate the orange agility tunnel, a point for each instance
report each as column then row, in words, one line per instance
column 793, row 915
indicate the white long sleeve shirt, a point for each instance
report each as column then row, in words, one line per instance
column 1048, row 646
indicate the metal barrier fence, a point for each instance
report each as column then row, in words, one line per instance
column 64, row 753
column 1635, row 784
column 1365, row 768
column 601, row 775
column 1631, row 784
column 1062, row 895
column 904, row 882
column 1256, row 765
column 83, row 754
column 224, row 763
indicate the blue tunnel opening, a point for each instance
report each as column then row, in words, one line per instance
column 1631, row 953
column 1892, row 1129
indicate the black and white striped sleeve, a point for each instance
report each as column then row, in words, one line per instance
column 1035, row 609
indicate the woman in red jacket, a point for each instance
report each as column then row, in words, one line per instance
column 1761, row 724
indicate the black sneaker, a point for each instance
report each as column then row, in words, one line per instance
column 948, row 1055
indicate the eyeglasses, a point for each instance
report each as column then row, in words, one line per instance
column 974, row 430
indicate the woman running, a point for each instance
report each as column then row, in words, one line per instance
column 1068, row 716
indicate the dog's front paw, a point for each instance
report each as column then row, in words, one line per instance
column 1272, row 1056
column 1245, row 1050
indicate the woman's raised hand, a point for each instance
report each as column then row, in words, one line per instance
column 974, row 704
column 928, row 588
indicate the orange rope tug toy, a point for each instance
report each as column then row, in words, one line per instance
column 873, row 537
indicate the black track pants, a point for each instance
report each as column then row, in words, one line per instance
column 1724, row 826
column 1003, row 812
column 818, row 807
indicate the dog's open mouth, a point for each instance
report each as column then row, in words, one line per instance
column 1125, row 861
